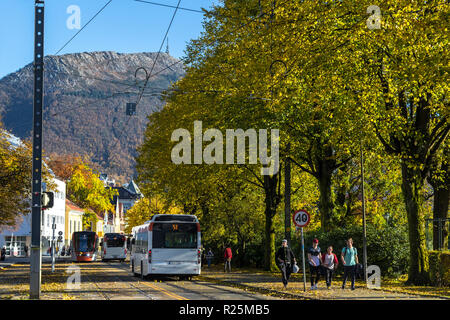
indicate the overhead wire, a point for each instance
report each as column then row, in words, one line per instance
column 76, row 34
column 148, row 75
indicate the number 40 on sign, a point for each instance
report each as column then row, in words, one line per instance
column 301, row 218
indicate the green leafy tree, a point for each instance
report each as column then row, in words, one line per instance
column 88, row 191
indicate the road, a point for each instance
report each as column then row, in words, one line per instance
column 113, row 281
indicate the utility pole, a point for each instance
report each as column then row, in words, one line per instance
column 53, row 244
column 36, row 185
column 364, row 216
column 287, row 198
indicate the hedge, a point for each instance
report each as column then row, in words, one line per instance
column 439, row 268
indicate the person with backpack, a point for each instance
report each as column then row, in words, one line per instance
column 227, row 256
column 314, row 258
column 285, row 260
column 329, row 263
column 349, row 257
column 209, row 257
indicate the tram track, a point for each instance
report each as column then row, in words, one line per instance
column 115, row 279
column 155, row 287
column 98, row 289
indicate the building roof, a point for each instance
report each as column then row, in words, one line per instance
column 73, row 206
column 133, row 188
column 127, row 192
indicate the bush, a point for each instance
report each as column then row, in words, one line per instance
column 387, row 248
column 439, row 268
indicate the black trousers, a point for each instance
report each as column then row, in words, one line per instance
column 286, row 270
column 349, row 271
column 329, row 276
column 315, row 270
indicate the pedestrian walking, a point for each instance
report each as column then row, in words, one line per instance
column 25, row 248
column 3, row 254
column 314, row 258
column 228, row 255
column 349, row 257
column 285, row 260
column 209, row 257
column 329, row 263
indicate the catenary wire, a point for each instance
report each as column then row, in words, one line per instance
column 103, row 8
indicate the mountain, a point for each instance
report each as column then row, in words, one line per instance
column 85, row 97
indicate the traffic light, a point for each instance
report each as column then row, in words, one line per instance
column 131, row 109
column 47, row 200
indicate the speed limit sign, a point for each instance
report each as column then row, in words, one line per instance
column 301, row 218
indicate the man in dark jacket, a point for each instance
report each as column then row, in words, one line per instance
column 285, row 260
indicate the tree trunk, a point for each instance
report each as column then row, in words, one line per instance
column 326, row 204
column 412, row 188
column 325, row 165
column 271, row 201
column 440, row 209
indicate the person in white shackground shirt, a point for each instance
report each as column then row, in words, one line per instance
column 330, row 263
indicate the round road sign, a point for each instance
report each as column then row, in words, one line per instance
column 301, row 218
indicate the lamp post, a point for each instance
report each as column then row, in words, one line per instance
column 364, row 216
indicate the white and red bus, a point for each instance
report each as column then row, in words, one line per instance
column 114, row 247
column 168, row 244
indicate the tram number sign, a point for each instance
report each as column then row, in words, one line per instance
column 301, row 218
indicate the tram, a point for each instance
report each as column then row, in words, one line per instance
column 84, row 246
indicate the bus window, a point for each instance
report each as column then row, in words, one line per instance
column 182, row 235
column 115, row 241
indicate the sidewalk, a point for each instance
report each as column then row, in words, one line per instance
column 9, row 261
column 268, row 283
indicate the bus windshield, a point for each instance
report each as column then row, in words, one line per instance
column 116, row 240
column 174, row 235
column 85, row 242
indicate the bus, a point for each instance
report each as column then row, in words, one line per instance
column 168, row 244
column 114, row 247
column 84, row 246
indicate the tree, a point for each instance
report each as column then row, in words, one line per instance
column 143, row 210
column 64, row 165
column 15, row 177
column 439, row 178
column 88, row 191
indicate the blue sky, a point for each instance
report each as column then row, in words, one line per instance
column 123, row 26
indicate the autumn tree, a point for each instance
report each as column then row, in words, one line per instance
column 144, row 209
column 88, row 191
column 64, row 165
column 15, row 178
